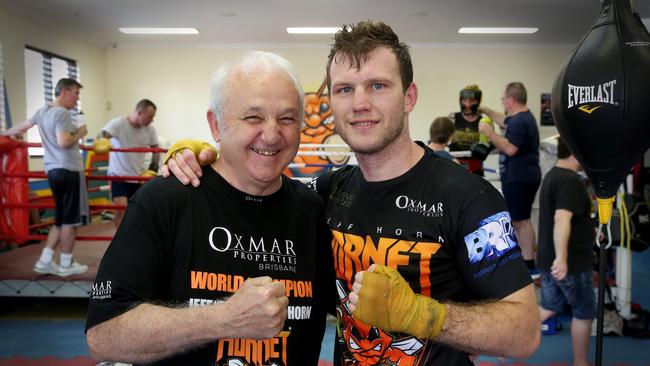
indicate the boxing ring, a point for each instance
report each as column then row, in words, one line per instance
column 17, row 278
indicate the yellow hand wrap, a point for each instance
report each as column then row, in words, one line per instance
column 102, row 146
column 196, row 146
column 387, row 302
column 149, row 173
column 483, row 138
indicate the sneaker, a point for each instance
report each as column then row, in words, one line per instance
column 46, row 268
column 74, row 268
column 534, row 273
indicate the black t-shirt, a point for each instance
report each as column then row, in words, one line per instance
column 563, row 189
column 445, row 230
column 521, row 131
column 181, row 245
column 465, row 134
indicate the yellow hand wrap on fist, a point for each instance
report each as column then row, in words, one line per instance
column 102, row 146
column 387, row 301
column 149, row 173
column 196, row 146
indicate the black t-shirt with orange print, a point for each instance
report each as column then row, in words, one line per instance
column 444, row 229
column 188, row 246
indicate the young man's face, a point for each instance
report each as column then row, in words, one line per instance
column 467, row 105
column 369, row 105
column 260, row 132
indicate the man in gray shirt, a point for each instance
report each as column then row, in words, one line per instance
column 134, row 130
column 64, row 168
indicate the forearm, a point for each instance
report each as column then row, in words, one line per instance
column 149, row 332
column 505, row 328
column 501, row 143
column 155, row 161
column 497, row 117
column 67, row 140
column 561, row 234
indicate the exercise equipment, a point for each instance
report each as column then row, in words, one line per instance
column 600, row 105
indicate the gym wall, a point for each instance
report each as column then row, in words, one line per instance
column 16, row 32
column 177, row 78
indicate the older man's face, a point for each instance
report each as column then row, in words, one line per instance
column 260, row 133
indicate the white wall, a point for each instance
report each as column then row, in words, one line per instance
column 16, row 32
column 177, row 79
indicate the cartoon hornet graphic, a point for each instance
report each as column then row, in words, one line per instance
column 318, row 128
column 369, row 345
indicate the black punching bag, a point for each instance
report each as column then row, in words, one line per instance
column 601, row 98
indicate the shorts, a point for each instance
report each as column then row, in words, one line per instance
column 575, row 289
column 124, row 189
column 519, row 198
column 65, row 190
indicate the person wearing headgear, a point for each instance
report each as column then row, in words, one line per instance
column 427, row 264
column 519, row 168
column 440, row 132
column 134, row 130
column 63, row 165
column 565, row 252
column 237, row 271
column 467, row 136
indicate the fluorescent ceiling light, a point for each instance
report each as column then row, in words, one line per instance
column 159, row 30
column 496, row 30
column 312, row 30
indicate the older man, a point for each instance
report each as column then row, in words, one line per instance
column 232, row 273
column 427, row 264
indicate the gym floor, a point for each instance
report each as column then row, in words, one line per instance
column 49, row 331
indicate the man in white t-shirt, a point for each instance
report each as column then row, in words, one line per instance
column 134, row 130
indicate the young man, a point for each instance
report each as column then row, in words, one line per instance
column 134, row 130
column 235, row 272
column 64, row 168
column 518, row 164
column 440, row 132
column 467, row 136
column 404, row 222
column 565, row 255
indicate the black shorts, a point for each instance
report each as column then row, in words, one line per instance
column 519, row 198
column 65, row 190
column 124, row 189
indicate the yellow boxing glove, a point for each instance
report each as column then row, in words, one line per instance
column 196, row 146
column 387, row 301
column 102, row 146
column 149, row 173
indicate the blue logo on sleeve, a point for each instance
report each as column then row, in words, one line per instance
column 494, row 237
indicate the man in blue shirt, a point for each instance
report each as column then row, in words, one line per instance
column 518, row 163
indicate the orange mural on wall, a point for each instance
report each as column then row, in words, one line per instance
column 318, row 128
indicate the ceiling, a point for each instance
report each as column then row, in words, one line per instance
column 264, row 21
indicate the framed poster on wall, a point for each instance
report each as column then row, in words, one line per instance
column 545, row 115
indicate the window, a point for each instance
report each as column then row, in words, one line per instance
column 42, row 71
